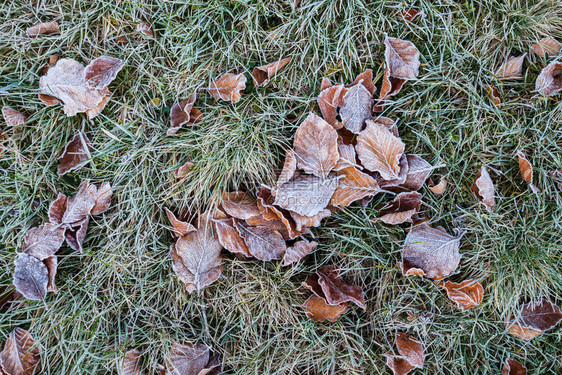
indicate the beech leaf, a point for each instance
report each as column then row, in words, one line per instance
column 390, row 87
column 76, row 234
column 306, row 195
column 329, row 100
column 327, row 283
column 549, row 82
column 13, row 117
column 302, row 222
column 409, row 15
column 355, row 185
column 494, row 94
column 289, row 168
column 512, row 69
column 180, row 228
column 318, row 310
column 80, row 205
column 100, row 72
column 366, row 79
column 430, row 252
column 402, row 58
column 545, row 46
column 230, row 237
column 535, row 318
column 512, row 367
column 20, row 355
column 466, row 295
column 103, row 200
column 43, row 241
column 146, row 29
column 357, row 108
column 298, row 251
column 190, row 359
column 263, row 242
column 439, row 188
column 526, row 171
column 75, row 154
column 411, row 355
column 131, row 364
column 483, row 187
column 227, row 87
column 31, row 277
column 183, row 113
column 400, row 209
column 183, row 171
column 239, row 205
column 45, row 28
column 262, row 74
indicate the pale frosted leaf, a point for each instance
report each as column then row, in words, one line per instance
column 306, row 195
column 43, row 241
column 131, row 364
column 545, row 46
column 357, row 108
column 31, row 277
column 228, row 87
column 298, row 251
column 240, row 205
column 80, row 205
column 45, row 28
column 549, row 82
column 402, row 58
column 13, row 117
column 100, row 72
column 263, row 242
column 512, row 69
column 188, row 359
column 483, row 187
column 103, row 200
column 418, row 171
column 289, row 168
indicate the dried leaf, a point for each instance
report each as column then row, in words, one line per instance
column 318, row 310
column 57, row 209
column 526, row 171
column 197, row 256
column 379, row 150
column 263, row 242
column 75, row 154
column 357, row 108
column 327, row 283
column 31, row 277
column 75, row 235
column 366, row 79
column 52, row 264
column 275, row 215
column 180, row 228
column 230, row 237
column 66, row 82
column 316, row 146
column 43, row 241
column 189, row 359
column 103, row 200
column 50, row 63
column 302, row 222
column 409, row 15
column 227, row 87
column 418, row 171
column 306, row 195
column 262, row 74
column 402, row 175
column 512, row 69
column 298, row 251
column 100, row 72
column 466, row 295
column 182, row 171
column 545, row 46
column 80, row 205
column 239, row 205
column 131, row 364
column 49, row 100
column 411, row 355
column 549, row 82
column 400, row 209
column 20, row 355
column 494, row 94
column 512, row 367
column 355, row 185
column 329, row 100
column 45, row 28
column 390, row 86
column 483, row 187
column 430, row 252
column 289, row 168
column 402, row 58
column 146, row 30
column 183, row 113
column 13, row 117
column 535, row 318
column 440, row 187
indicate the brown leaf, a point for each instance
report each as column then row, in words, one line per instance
column 329, row 100
column 103, row 200
column 302, row 222
column 409, row 15
column 230, row 237
column 318, row 310
column 262, row 74
column 180, row 228
column 366, row 79
column 466, row 295
column 20, row 355
column 189, row 359
column 483, row 187
column 76, row 234
column 31, row 277
column 395, row 184
column 80, row 205
column 275, row 215
column 66, row 82
column 440, row 187
column 379, row 150
column 357, row 108
column 263, row 242
column 402, row 58
column 494, row 94
column 390, row 87
column 535, row 318
column 557, row 177
column 355, row 185
column 327, row 283
column 43, row 241
column 13, row 117
column 50, row 63
column 348, row 156
column 239, row 205
column 306, row 195
column 75, row 154
column 316, row 146
column 430, row 252
column 418, row 171
column 183, row 171
column 131, row 364
column 545, row 46
column 146, row 30
column 45, row 28
column 512, row 367
column 289, row 168
column 512, row 69
column 183, row 113
column 400, row 209
column 49, row 100
column 549, row 82
column 526, row 171
column 227, row 87
column 411, row 355
column 197, row 256
column 57, row 209
column 52, row 264
column 100, row 72
column 298, row 251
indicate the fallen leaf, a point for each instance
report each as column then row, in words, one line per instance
column 197, row 256
column 302, row 222
column 75, row 154
column 20, row 355
column 183, row 113
column 418, row 171
column 306, row 195
column 45, row 28
column 402, row 175
column 545, row 46
column 355, row 185
column 80, row 205
column 348, row 156
column 298, row 251
column 329, row 100
column 411, row 355
column 390, row 87
column 230, row 237
column 52, row 264
column 131, row 364
column 400, row 209
column 183, row 171
column 512, row 367
column 289, row 168
column 100, row 72
column 13, row 117
column 366, row 79
column 227, row 87
column 43, row 241
column 31, row 277
column 103, row 199
column 549, row 82
column 526, row 171
column 49, row 100
column 402, row 58
column 512, row 69
column 318, row 310
column 180, row 228
column 146, row 30
column 440, row 187
column 409, row 15
column 379, row 150
column 263, row 242
column 483, row 187
column 327, row 283
column 190, row 359
column 239, row 205
column 466, row 295
column 57, row 209
column 316, row 146
column 50, row 63
column 494, row 94
column 76, row 234
column 557, row 177
column 535, row 318
column 430, row 252
column 357, row 108
column 262, row 74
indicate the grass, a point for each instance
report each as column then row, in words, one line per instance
column 122, row 293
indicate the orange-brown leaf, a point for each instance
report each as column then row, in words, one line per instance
column 545, row 46
column 76, row 154
column 494, row 94
column 409, row 15
column 20, row 355
column 146, row 29
column 318, row 310
column 227, row 87
column 131, row 364
column 484, row 190
column 329, row 100
column 230, row 237
column 298, row 251
column 411, row 355
column 400, row 209
column 45, row 28
column 182, row 171
column 512, row 69
column 328, row 284
column 535, row 318
column 240, row 205
column 512, row 367
column 526, row 171
column 180, row 228
column 466, row 295
column 440, row 187
column 402, row 58
column 355, row 185
column 262, row 74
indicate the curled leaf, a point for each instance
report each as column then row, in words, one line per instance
column 483, row 187
column 103, row 199
column 535, row 318
column 45, row 28
column 411, row 355
column 181, row 228
column 526, row 170
column 400, row 209
column 183, row 113
column 289, row 168
column 298, row 251
column 227, row 87
column 466, row 295
column 440, row 187
column 317, row 309
column 75, row 154
column 20, row 355
column 262, row 74
column 76, row 234
column 494, row 94
column 328, row 284
column 13, row 117
column 182, row 171
column 390, row 87
column 329, row 100
column 402, row 58
column 549, row 82
column 512, row 367
column 230, row 237
column 545, row 46
column 512, row 69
